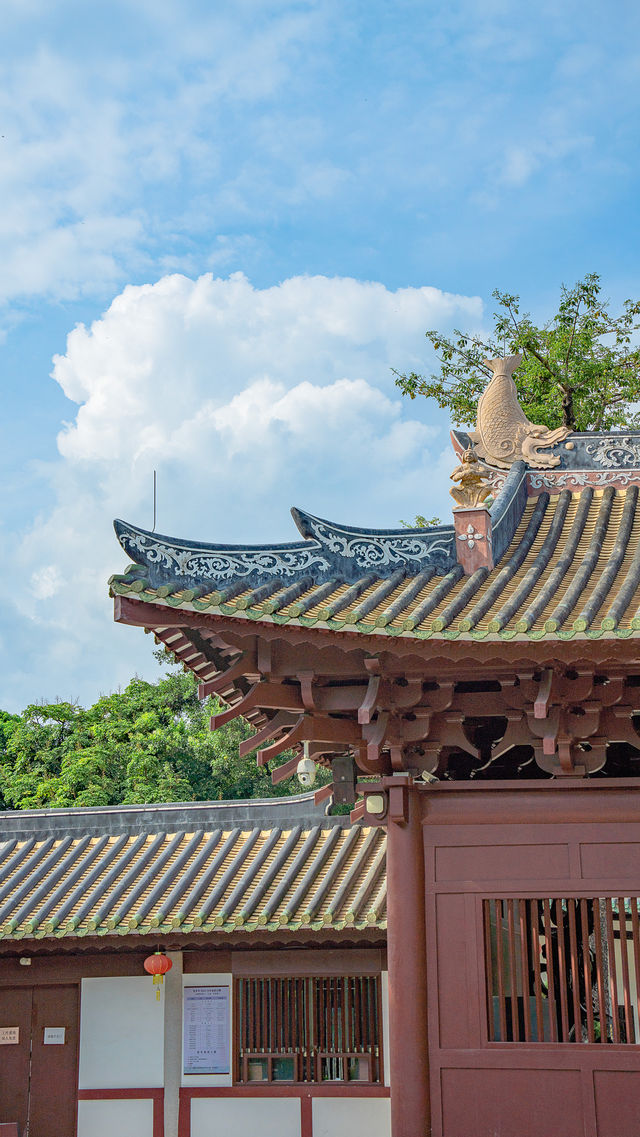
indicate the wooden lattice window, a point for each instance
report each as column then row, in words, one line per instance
column 324, row 1029
column 565, row 969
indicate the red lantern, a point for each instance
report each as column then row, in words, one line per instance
column 157, row 965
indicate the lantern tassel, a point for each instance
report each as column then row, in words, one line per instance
column 157, row 983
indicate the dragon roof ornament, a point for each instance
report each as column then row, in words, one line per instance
column 503, row 432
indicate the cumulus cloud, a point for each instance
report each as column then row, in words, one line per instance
column 246, row 401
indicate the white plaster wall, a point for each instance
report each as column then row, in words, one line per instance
column 384, row 998
column 133, row 1118
column 210, row 979
column 121, row 1034
column 335, row 1117
column 249, row 1117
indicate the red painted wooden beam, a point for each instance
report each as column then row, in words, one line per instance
column 407, row 961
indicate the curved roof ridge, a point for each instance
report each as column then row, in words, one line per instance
column 298, row 809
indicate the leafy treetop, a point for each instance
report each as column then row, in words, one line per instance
column 148, row 743
column 580, row 370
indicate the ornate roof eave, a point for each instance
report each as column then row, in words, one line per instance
column 443, row 650
column 327, row 551
column 403, row 704
column 383, row 644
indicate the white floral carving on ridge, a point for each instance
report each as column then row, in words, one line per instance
column 220, row 564
column 371, row 550
column 471, row 536
column 614, row 451
column 577, row 478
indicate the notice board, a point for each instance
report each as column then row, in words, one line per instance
column 206, row 1030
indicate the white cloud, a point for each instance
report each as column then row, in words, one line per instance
column 246, row 401
column 520, row 162
column 45, row 582
column 272, row 124
column 93, row 145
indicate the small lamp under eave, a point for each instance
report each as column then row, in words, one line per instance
column 157, row 965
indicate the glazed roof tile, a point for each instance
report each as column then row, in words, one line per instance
column 571, row 568
column 330, row 877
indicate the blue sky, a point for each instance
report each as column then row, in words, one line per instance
column 223, row 224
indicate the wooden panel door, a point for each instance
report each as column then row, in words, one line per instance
column 534, row 1030
column 15, row 1011
column 54, row 1066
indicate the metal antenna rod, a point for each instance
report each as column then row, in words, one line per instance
column 154, row 502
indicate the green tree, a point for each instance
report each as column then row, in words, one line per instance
column 150, row 742
column 580, row 370
column 421, row 522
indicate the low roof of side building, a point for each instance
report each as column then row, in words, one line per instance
column 203, row 869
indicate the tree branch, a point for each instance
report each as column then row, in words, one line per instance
column 545, row 363
column 572, row 337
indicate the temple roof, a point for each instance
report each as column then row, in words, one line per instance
column 553, row 554
column 97, row 880
column 570, row 569
column 469, row 650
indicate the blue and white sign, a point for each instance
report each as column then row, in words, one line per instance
column 206, row 1030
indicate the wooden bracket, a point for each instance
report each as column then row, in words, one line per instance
column 284, row 771
column 279, row 722
column 306, row 689
column 366, row 708
column 398, row 808
column 617, row 726
column 541, row 704
column 441, row 700
column 246, row 703
column 295, row 734
column 516, row 734
column 454, row 735
column 374, row 735
column 221, row 682
column 264, row 656
column 323, row 793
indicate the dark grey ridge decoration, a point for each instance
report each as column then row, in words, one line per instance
column 592, row 450
column 329, row 551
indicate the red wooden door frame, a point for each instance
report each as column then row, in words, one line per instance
column 41, row 1079
column 15, row 1011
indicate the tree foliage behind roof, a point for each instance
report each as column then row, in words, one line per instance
column 148, row 743
column 581, row 369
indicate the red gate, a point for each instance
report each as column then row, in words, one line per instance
column 533, row 958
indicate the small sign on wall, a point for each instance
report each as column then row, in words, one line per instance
column 9, row 1035
column 54, row 1035
column 206, row 1030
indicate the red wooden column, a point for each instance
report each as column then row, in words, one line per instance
column 407, row 961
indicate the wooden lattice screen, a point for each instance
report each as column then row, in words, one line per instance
column 563, row 969
column 308, row 1029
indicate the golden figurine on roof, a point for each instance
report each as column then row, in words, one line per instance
column 503, row 433
column 474, row 481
